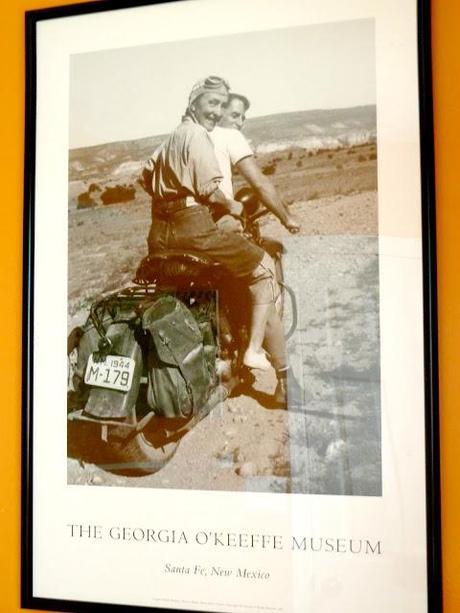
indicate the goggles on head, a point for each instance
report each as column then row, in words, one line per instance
column 210, row 84
column 214, row 82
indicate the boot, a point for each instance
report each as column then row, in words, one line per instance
column 288, row 394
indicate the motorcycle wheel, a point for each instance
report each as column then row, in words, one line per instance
column 117, row 450
column 136, row 455
column 146, row 451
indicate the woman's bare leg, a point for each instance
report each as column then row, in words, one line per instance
column 275, row 341
column 254, row 356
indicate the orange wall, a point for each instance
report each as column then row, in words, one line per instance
column 446, row 60
column 446, row 82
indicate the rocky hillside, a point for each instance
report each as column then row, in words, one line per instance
column 312, row 130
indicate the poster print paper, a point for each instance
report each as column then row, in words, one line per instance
column 273, row 543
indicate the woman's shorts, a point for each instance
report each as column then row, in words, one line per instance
column 193, row 229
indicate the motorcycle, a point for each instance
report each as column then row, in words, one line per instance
column 154, row 358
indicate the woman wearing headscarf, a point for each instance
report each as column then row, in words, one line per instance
column 186, row 183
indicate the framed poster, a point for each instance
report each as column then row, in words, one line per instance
column 229, row 223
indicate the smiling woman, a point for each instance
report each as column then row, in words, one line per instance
column 206, row 101
column 207, row 110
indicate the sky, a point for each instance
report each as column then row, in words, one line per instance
column 131, row 93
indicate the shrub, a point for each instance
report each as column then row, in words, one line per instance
column 299, row 163
column 269, row 169
column 362, row 158
column 372, row 156
column 289, row 157
column 310, row 154
column 339, row 166
column 330, row 155
column 84, row 201
column 118, row 193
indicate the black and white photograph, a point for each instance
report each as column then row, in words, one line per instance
column 223, row 264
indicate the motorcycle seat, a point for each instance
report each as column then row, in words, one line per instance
column 178, row 266
column 187, row 256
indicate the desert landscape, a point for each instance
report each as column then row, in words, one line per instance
column 324, row 164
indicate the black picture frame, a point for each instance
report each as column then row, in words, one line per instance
column 433, row 504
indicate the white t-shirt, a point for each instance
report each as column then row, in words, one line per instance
column 230, row 147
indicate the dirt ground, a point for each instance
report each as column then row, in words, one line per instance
column 332, row 446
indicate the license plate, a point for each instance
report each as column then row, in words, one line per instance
column 115, row 372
